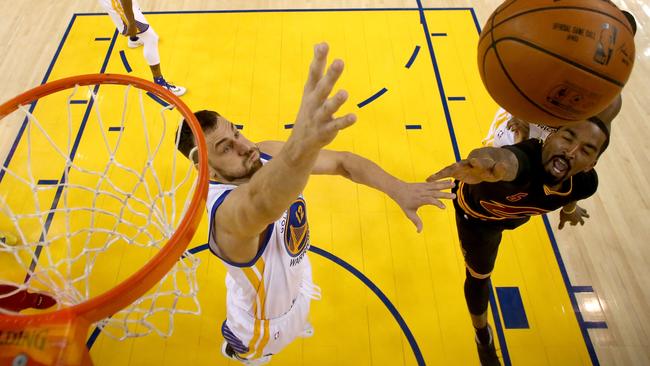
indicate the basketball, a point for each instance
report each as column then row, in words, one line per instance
column 555, row 62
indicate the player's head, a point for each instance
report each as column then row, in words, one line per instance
column 630, row 18
column 231, row 157
column 574, row 148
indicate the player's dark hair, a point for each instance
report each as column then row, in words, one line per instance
column 603, row 127
column 185, row 140
column 630, row 18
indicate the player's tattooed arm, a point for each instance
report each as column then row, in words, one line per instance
column 486, row 164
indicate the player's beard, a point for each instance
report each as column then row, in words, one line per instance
column 250, row 168
column 551, row 179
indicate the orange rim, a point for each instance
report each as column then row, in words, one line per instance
column 140, row 282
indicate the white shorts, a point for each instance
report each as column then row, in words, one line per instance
column 253, row 338
column 499, row 134
column 117, row 15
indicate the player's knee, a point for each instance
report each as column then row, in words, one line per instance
column 149, row 36
column 477, row 292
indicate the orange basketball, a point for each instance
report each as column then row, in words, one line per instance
column 555, row 61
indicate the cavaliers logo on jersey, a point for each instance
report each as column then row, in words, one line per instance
column 516, row 197
column 502, row 211
column 296, row 235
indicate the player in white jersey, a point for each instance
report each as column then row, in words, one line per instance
column 507, row 129
column 258, row 217
column 130, row 21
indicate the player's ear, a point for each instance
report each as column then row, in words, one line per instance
column 194, row 156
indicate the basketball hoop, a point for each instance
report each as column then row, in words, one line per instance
column 128, row 200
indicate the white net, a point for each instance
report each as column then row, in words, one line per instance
column 89, row 193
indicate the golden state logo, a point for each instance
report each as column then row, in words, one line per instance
column 296, row 235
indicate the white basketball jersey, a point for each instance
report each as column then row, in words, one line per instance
column 499, row 134
column 267, row 286
column 115, row 10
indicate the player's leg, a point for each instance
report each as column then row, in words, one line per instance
column 480, row 244
column 13, row 299
column 148, row 37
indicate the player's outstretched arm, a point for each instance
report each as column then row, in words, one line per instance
column 409, row 196
column 246, row 211
column 486, row 164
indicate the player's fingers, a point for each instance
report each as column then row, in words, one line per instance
column 437, row 185
column 446, row 172
column 331, row 105
column 415, row 219
column 436, row 202
column 342, row 122
column 442, row 195
column 561, row 225
column 326, row 83
column 317, row 65
column 499, row 170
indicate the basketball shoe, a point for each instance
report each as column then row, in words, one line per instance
column 230, row 353
column 134, row 43
column 486, row 352
column 177, row 90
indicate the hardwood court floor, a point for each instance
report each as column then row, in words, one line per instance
column 250, row 67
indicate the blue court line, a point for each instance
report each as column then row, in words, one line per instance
column 372, row 97
column 572, row 296
column 78, row 101
column 512, row 308
column 441, row 89
column 438, row 34
column 102, row 39
column 278, row 11
column 495, row 313
column 384, row 299
column 498, row 328
column 125, row 62
column 115, row 129
column 93, row 337
column 64, row 175
column 239, row 127
column 47, row 182
column 596, row 325
column 288, row 126
column 581, row 289
column 19, row 135
column 451, row 99
column 476, row 23
column 380, row 295
column 157, row 99
column 413, row 127
column 413, row 56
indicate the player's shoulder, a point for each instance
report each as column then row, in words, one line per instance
column 585, row 184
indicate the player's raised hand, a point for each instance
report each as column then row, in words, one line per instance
column 574, row 217
column 315, row 124
column 472, row 171
column 411, row 196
